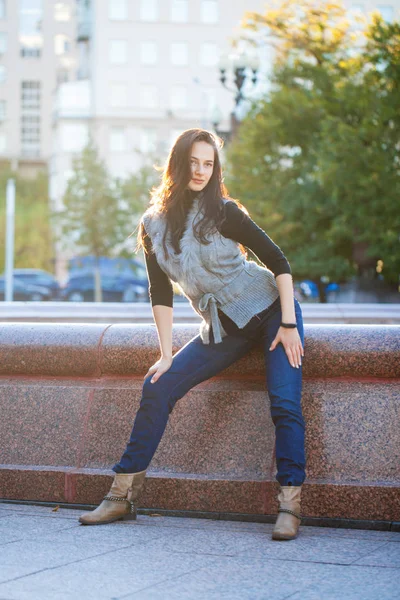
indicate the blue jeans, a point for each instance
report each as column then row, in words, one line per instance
column 196, row 362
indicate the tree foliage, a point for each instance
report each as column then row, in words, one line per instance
column 33, row 243
column 318, row 155
column 88, row 219
column 99, row 212
column 134, row 193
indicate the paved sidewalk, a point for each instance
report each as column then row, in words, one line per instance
column 49, row 555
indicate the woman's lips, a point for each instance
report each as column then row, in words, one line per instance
column 198, row 180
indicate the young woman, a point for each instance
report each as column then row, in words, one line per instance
column 193, row 234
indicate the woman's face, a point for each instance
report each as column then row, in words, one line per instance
column 201, row 165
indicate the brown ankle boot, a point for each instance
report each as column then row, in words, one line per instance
column 118, row 504
column 288, row 521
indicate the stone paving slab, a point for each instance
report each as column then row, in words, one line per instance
column 49, row 555
column 257, row 579
column 387, row 555
column 319, row 549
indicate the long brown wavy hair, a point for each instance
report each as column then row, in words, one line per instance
column 168, row 197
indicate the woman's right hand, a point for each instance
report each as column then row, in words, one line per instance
column 159, row 367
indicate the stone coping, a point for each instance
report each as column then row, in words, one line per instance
column 96, row 350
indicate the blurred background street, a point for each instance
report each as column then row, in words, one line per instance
column 94, row 92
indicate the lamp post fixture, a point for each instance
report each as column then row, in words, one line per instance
column 216, row 118
column 239, row 64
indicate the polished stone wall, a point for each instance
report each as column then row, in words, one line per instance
column 69, row 394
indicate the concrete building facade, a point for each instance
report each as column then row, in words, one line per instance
column 37, row 52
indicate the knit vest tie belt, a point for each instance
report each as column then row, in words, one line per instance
column 209, row 302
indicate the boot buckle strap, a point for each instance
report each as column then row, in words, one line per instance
column 291, row 512
column 116, row 499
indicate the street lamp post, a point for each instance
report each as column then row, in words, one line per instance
column 216, row 118
column 238, row 64
column 10, row 227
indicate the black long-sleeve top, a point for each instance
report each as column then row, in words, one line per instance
column 239, row 227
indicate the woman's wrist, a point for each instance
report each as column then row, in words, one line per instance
column 288, row 314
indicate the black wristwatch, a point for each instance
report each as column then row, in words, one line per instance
column 289, row 325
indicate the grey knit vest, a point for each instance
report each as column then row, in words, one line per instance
column 214, row 276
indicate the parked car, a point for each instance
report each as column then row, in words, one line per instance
column 23, row 291
column 129, row 267
column 122, row 279
column 115, row 288
column 38, row 277
column 307, row 290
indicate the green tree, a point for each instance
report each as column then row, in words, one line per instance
column 91, row 221
column 134, row 194
column 374, row 206
column 33, row 237
column 313, row 169
column 100, row 212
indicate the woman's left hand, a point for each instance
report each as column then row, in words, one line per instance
column 291, row 342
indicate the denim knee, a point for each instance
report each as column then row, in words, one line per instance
column 147, row 386
column 157, row 393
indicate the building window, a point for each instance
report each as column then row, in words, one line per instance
column 178, row 97
column 31, row 52
column 179, row 53
column 2, row 110
column 30, row 118
column 148, row 96
column 386, row 11
column 148, row 53
column 31, row 121
column 148, row 10
column 74, row 136
column 2, row 73
column 30, row 95
column 30, row 28
column 3, row 143
column 3, row 42
column 117, row 139
column 30, row 134
column 62, row 44
column 208, row 54
column 118, row 52
column 117, row 10
column 179, row 11
column 148, row 140
column 2, row 9
column 209, row 11
column 62, row 12
column 118, row 95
